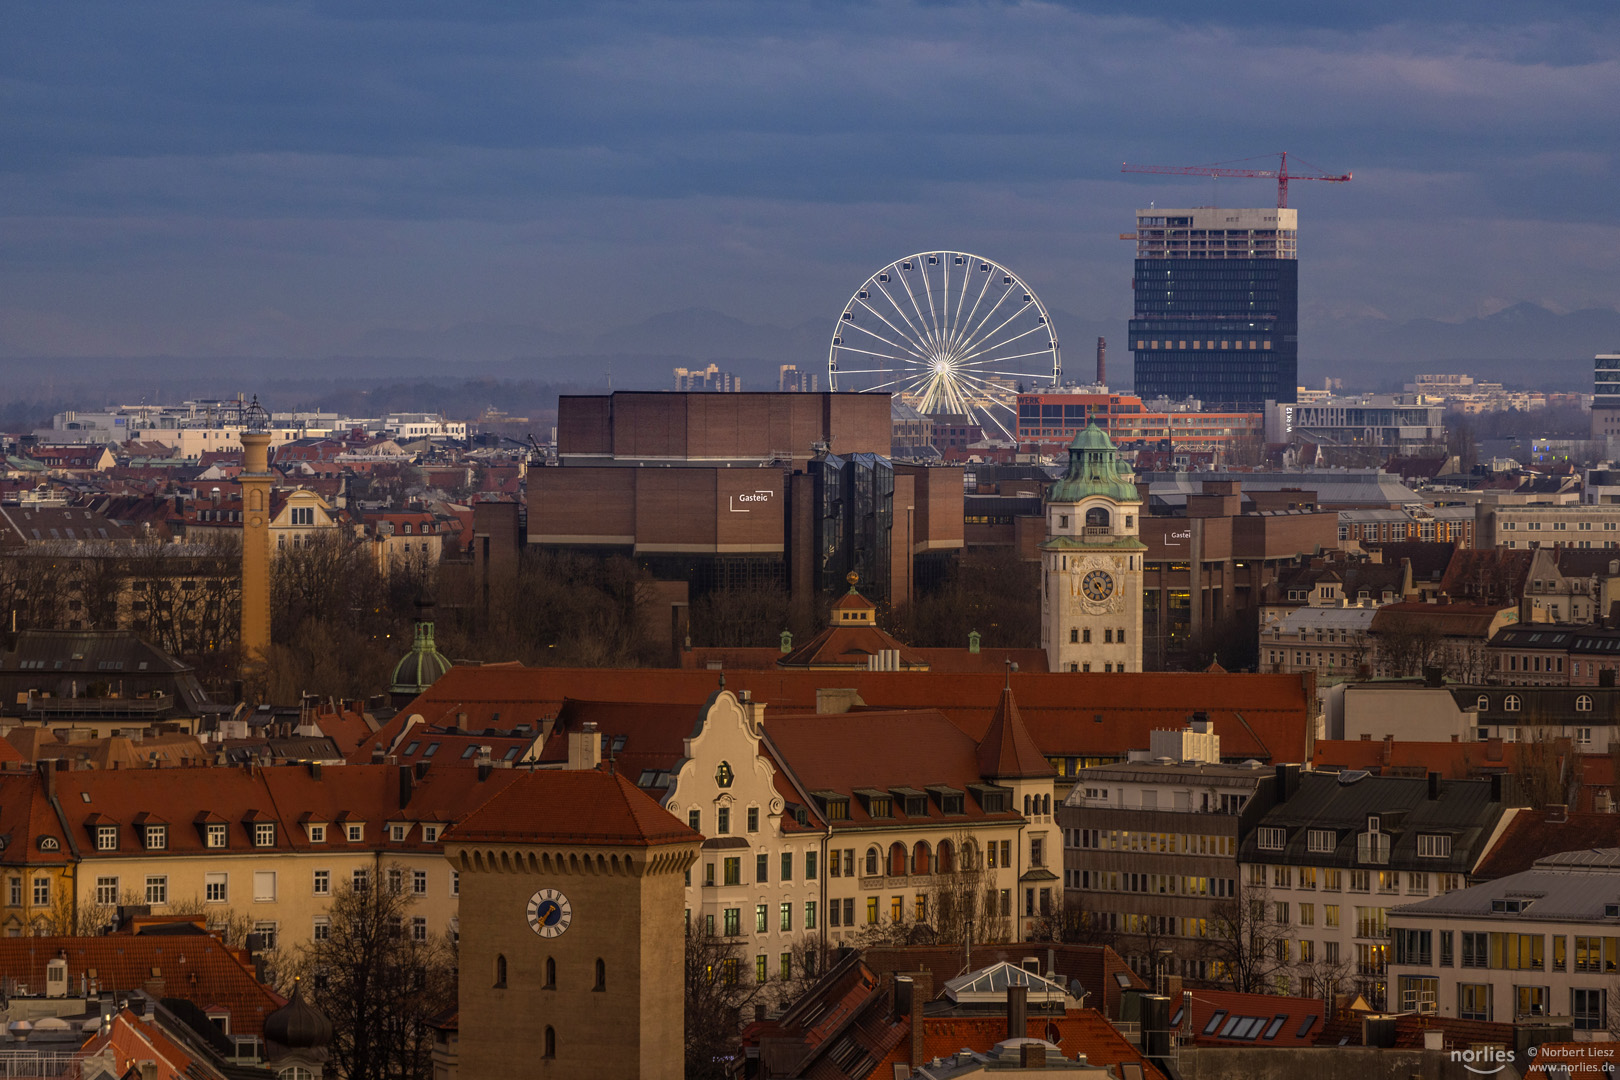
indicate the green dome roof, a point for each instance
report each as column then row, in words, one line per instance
column 1095, row 468
column 421, row 667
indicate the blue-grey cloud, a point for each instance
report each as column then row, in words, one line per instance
column 233, row 176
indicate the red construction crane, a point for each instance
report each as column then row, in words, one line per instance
column 1280, row 174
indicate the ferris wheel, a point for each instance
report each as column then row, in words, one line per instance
column 950, row 332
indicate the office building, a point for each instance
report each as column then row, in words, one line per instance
column 1052, row 419
column 1217, row 306
column 709, row 380
column 1606, row 395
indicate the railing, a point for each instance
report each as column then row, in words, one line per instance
column 44, row 1064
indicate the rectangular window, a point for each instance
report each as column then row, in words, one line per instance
column 396, row 880
column 419, row 882
column 809, row 914
column 355, row 833
column 1272, row 839
column 455, row 883
column 1433, row 847
column 762, row 918
column 733, row 923
column 1589, row 1008
column 106, row 890
column 810, row 866
column 430, row 834
column 722, row 821
column 157, row 889
column 323, row 928
column 267, row 933
column 42, row 891
column 871, row 911
column 762, row 867
column 323, row 883
column 787, row 917
column 1321, row 841
column 419, row 931
column 264, row 886
column 396, row 833
column 753, row 819
column 734, row 871
column 157, row 837
column 1474, row 1001
column 694, row 818
column 219, row 835
column 787, row 966
column 106, row 838
column 360, row 880
column 264, row 834
column 787, row 866
column 216, row 888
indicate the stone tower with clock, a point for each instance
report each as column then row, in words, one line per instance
column 1091, row 562
column 571, row 962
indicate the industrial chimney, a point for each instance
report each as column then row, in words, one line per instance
column 1102, row 361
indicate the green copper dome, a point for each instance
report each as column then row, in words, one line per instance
column 1095, row 468
column 421, row 667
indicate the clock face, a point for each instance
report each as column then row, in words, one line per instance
column 549, row 913
column 1097, row 586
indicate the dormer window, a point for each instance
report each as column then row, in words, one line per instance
column 106, row 838
column 1510, row 703
column 317, row 833
column 216, row 836
column 355, row 833
column 430, row 834
column 397, row 833
column 1272, row 839
column 157, row 837
column 264, row 834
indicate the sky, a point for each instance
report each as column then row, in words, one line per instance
column 219, row 177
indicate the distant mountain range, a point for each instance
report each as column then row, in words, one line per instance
column 1524, row 345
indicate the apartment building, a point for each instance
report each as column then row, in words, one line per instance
column 806, row 842
column 1150, row 847
column 1544, row 942
column 1336, row 851
column 264, row 847
column 1334, row 642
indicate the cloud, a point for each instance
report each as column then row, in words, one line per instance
column 359, row 166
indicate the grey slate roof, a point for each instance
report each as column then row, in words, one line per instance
column 1343, row 801
column 1574, row 886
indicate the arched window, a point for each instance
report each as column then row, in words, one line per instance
column 1483, row 704
column 551, row 974
column 1510, row 703
column 1046, row 804
column 897, row 860
column 1583, row 703
column 872, row 857
column 922, row 861
column 295, row 1072
column 1028, row 808
column 500, row 971
column 945, row 859
column 548, row 1045
column 1097, row 517
column 601, row 975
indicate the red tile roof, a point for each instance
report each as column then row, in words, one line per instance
column 196, row 967
column 1300, row 1025
column 1079, row 1031
column 573, row 807
column 134, row 1042
column 32, row 831
column 1533, row 834
column 1266, row 717
column 1006, row 751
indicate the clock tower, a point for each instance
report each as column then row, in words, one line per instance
column 1091, row 563
column 572, row 954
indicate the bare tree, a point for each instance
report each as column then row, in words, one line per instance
column 720, row 996
column 1241, row 948
column 963, row 902
column 1405, row 645
column 377, row 979
column 1541, row 769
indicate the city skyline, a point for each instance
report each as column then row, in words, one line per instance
column 277, row 181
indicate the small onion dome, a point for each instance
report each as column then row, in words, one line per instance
column 298, row 1025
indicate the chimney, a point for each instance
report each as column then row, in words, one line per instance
column 1496, row 787
column 1017, row 1011
column 315, row 770
column 47, row 772
column 1287, row 782
column 903, row 993
column 1102, row 361
column 585, row 747
column 1032, row 1055
column 922, row 989
column 1434, row 786
column 1557, row 813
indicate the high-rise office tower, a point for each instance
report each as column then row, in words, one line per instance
column 1606, row 395
column 1217, row 306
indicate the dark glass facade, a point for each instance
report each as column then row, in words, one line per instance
column 1225, row 331
column 854, row 525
